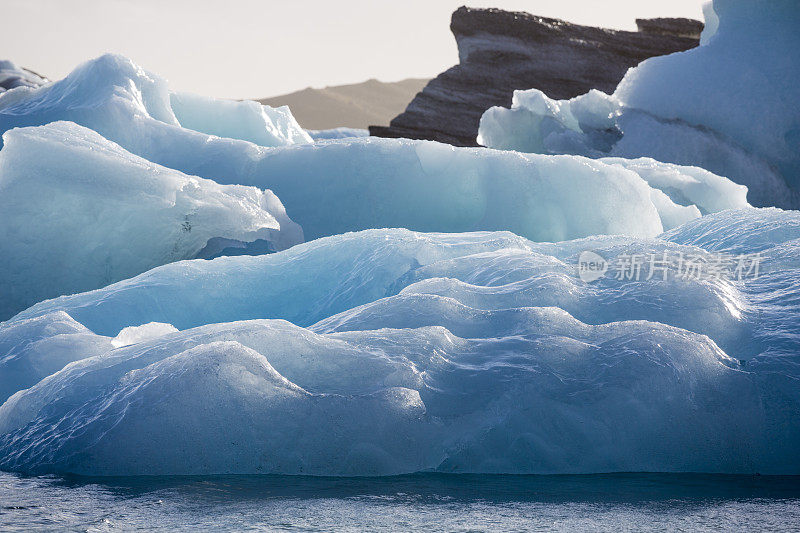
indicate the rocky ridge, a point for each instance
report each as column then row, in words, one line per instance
column 502, row 51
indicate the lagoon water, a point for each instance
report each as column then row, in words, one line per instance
column 430, row 502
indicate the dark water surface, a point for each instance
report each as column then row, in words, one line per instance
column 430, row 502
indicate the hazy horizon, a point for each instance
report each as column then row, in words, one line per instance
column 253, row 49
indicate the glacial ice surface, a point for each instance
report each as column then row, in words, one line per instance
column 33, row 349
column 247, row 120
column 334, row 186
column 390, row 351
column 135, row 109
column 78, row 212
column 387, row 350
column 730, row 106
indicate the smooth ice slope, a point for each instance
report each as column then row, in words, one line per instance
column 33, row 349
column 480, row 352
column 78, row 212
column 687, row 185
column 730, row 106
column 336, row 186
column 247, row 120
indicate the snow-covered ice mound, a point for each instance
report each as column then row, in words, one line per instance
column 479, row 352
column 78, row 212
column 730, row 106
column 134, row 108
column 336, row 186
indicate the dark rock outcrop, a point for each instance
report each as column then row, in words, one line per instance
column 501, row 51
column 675, row 27
column 12, row 76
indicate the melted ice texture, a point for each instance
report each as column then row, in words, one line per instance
column 390, row 351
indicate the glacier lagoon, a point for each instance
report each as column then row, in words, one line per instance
column 418, row 502
column 164, row 318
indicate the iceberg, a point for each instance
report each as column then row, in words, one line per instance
column 31, row 350
column 78, row 212
column 136, row 334
column 686, row 186
column 331, row 187
column 391, row 351
column 334, row 187
column 247, row 120
column 135, row 108
column 729, row 106
column 459, row 310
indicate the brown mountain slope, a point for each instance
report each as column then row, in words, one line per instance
column 355, row 106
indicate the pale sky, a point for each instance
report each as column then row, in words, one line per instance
column 259, row 48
